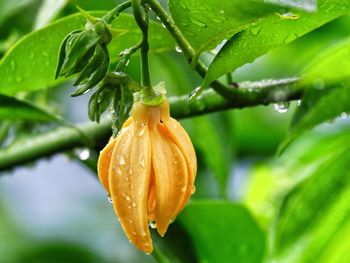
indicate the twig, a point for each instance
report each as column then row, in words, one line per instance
column 248, row 94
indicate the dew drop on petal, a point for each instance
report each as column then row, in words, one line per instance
column 117, row 170
column 109, row 198
column 141, row 131
column 152, row 224
column 121, row 159
column 184, row 189
column 126, row 197
column 142, row 161
column 133, row 204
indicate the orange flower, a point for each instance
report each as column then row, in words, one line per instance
column 149, row 172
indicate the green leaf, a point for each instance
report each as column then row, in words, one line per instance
column 49, row 9
column 223, row 232
column 270, row 32
column 331, row 66
column 14, row 109
column 210, row 144
column 318, row 106
column 205, row 23
column 31, row 63
column 313, row 224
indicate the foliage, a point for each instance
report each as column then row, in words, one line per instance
column 290, row 208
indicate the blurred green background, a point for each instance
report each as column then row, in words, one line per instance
column 55, row 210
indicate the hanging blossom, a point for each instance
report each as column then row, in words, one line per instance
column 149, row 171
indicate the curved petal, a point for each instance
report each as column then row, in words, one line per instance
column 183, row 141
column 129, row 183
column 103, row 163
column 104, row 159
column 170, row 174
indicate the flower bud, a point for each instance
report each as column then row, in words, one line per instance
column 149, row 171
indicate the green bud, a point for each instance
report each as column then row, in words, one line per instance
column 62, row 52
column 76, row 49
column 94, row 62
column 97, row 75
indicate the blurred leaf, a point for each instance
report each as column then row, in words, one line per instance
column 307, row 5
column 57, row 252
column 49, row 9
column 40, row 50
column 270, row 32
column 223, row 232
column 318, row 106
column 330, row 66
column 205, row 24
column 313, row 224
column 14, row 109
column 209, row 143
column 8, row 8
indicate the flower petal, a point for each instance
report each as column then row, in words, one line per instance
column 129, row 183
column 183, row 141
column 170, row 174
column 104, row 159
column 103, row 163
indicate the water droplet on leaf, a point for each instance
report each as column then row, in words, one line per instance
column 178, row 49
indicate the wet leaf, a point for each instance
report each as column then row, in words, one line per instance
column 31, row 63
column 270, row 32
column 223, row 231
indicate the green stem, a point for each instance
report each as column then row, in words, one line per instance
column 111, row 15
column 158, row 255
column 142, row 22
column 186, row 48
column 248, row 94
column 229, row 78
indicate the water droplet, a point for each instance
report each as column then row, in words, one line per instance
column 129, row 220
column 291, row 37
column 141, row 130
column 158, row 18
column 110, row 200
column 152, row 224
column 13, row 65
column 318, row 84
column 126, row 197
column 178, row 49
column 255, row 30
column 117, row 170
column 133, row 204
column 184, row 24
column 184, row 189
column 194, row 93
column 288, row 15
column 163, row 25
column 344, row 115
column 298, row 102
column 222, row 11
column 121, row 159
column 84, row 154
column 281, row 107
column 193, row 189
column 142, row 161
column 197, row 22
